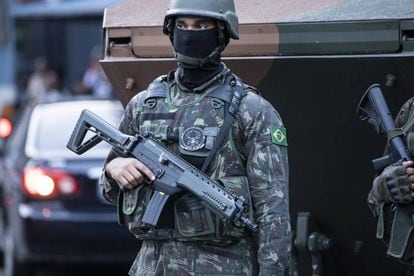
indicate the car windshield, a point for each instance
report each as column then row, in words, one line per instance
column 52, row 124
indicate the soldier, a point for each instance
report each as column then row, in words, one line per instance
column 395, row 185
column 191, row 111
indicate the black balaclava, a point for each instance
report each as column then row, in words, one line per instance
column 197, row 44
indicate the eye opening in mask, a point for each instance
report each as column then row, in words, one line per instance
column 193, row 23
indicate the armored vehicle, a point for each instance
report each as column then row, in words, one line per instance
column 312, row 60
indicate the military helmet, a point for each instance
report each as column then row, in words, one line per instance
column 222, row 10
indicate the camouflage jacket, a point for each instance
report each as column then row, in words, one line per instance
column 259, row 137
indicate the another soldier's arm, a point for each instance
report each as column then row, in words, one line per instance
column 267, row 169
column 394, row 185
column 394, row 175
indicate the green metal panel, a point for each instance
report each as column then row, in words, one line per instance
column 339, row 38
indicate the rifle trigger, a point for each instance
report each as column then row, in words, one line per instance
column 159, row 172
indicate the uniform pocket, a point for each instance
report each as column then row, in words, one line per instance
column 135, row 206
column 192, row 218
column 196, row 142
column 214, row 260
column 145, row 262
column 159, row 131
column 130, row 202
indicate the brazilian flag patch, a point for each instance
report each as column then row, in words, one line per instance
column 279, row 136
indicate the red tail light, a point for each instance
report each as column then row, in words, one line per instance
column 6, row 127
column 49, row 183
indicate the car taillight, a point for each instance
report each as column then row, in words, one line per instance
column 48, row 183
column 6, row 127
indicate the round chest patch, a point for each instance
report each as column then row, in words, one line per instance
column 192, row 139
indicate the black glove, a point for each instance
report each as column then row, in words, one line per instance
column 392, row 185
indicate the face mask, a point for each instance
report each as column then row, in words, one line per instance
column 195, row 44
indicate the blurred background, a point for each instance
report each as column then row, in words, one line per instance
column 52, row 219
column 62, row 38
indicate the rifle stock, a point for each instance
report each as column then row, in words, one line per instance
column 173, row 174
column 373, row 108
column 90, row 122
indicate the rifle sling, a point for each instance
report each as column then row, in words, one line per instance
column 231, row 110
column 120, row 214
column 394, row 133
column 402, row 227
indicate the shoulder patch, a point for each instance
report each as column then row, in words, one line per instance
column 279, row 136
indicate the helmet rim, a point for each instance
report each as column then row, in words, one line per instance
column 226, row 17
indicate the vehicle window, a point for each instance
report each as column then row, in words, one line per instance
column 52, row 129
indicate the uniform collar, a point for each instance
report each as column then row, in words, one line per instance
column 218, row 78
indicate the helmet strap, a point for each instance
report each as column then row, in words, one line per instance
column 170, row 28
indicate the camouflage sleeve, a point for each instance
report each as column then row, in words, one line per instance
column 406, row 111
column 128, row 125
column 267, row 169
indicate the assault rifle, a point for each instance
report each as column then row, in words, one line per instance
column 173, row 174
column 372, row 107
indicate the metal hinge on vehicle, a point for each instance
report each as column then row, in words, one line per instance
column 407, row 35
column 119, row 43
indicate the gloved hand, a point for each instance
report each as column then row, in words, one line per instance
column 395, row 184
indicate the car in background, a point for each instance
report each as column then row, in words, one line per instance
column 6, row 122
column 6, row 127
column 51, row 208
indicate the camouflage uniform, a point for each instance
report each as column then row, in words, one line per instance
column 251, row 162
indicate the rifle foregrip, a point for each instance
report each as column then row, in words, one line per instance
column 213, row 201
